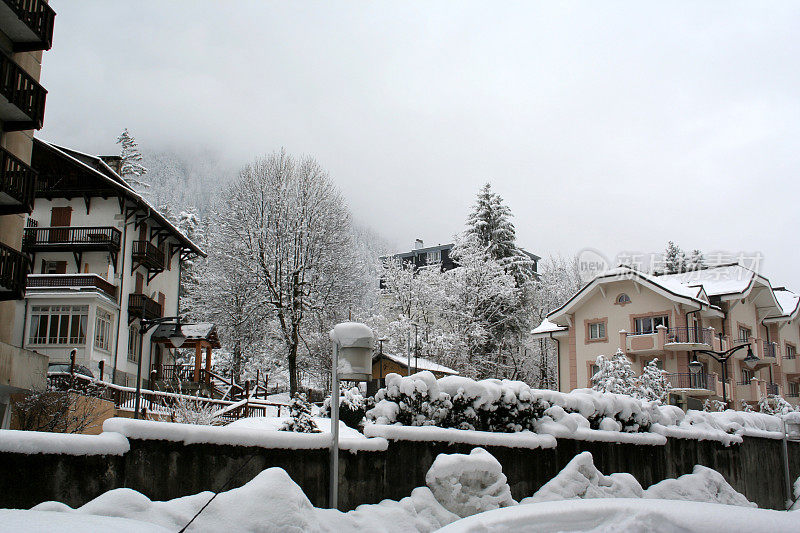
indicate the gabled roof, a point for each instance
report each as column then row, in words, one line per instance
column 692, row 296
column 100, row 170
column 789, row 301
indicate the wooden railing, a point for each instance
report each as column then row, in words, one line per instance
column 14, row 267
column 157, row 402
column 39, row 17
column 18, row 181
column 141, row 306
column 98, row 238
column 71, row 280
column 24, row 93
column 148, row 255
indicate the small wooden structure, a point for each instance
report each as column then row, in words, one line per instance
column 200, row 336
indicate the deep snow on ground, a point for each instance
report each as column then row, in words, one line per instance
column 627, row 515
column 581, row 479
column 459, row 485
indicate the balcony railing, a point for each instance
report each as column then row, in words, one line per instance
column 772, row 388
column 102, row 238
column 770, row 349
column 148, row 255
column 34, row 28
column 25, row 95
column 141, row 306
column 690, row 335
column 14, row 266
column 17, row 185
column 71, row 281
column 687, row 380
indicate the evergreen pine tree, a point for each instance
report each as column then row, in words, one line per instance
column 131, row 168
column 696, row 260
column 490, row 224
column 652, row 384
column 614, row 375
column 674, row 259
column 300, row 420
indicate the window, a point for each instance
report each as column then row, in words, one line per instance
column 659, row 364
column 791, row 352
column 597, row 330
column 649, row 324
column 102, row 330
column 54, row 267
column 134, row 344
column 744, row 334
column 58, row 324
column 593, row 369
column 747, row 375
column 623, row 299
column 794, row 389
column 434, row 257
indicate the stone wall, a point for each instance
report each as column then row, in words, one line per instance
column 163, row 470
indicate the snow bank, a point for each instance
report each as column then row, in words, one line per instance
column 702, row 485
column 524, row 439
column 47, row 522
column 270, row 502
column 581, row 479
column 32, row 442
column 469, row 484
column 617, row 515
column 238, row 436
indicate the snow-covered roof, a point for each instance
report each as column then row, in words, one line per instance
column 419, row 362
column 201, row 331
column 731, row 279
column 101, row 170
column 546, row 328
column 672, row 289
column 789, row 301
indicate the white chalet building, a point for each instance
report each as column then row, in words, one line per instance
column 102, row 259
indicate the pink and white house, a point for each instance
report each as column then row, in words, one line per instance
column 668, row 316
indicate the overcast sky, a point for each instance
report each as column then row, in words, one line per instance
column 616, row 128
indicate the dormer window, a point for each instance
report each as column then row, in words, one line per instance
column 623, row 299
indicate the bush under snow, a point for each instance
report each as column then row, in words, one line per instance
column 469, row 484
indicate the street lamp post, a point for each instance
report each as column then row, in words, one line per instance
column 695, row 366
column 353, row 342
column 176, row 339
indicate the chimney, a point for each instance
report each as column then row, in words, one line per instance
column 418, row 244
column 114, row 161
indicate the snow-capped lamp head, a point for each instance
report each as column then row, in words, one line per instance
column 354, row 343
column 751, row 360
column 695, row 367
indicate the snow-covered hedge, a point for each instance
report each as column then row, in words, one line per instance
column 512, row 406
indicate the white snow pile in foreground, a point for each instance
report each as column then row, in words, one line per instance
column 46, row 522
column 269, row 502
column 469, row 484
column 632, row 515
column 702, row 485
column 581, row 479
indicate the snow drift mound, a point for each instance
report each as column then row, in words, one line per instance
column 702, row 485
column 580, row 479
column 469, row 484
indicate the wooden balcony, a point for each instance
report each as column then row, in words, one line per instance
column 148, row 255
column 74, row 282
column 21, row 98
column 28, row 23
column 141, row 306
column 17, row 185
column 72, row 239
column 14, row 267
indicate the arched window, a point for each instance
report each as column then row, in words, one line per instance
column 623, row 299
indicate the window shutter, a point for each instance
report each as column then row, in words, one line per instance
column 61, row 267
column 139, row 283
column 161, row 301
column 60, row 216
